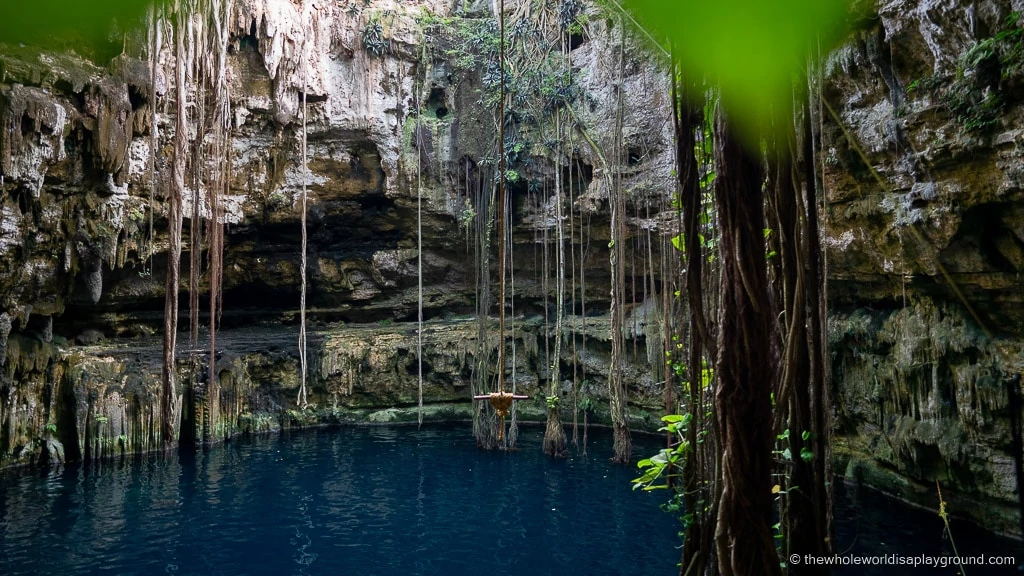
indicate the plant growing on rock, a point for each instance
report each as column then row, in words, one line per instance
column 374, row 40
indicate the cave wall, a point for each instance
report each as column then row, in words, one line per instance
column 931, row 92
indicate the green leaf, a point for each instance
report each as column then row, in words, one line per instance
column 671, row 418
column 750, row 48
column 92, row 23
column 806, row 434
column 806, row 455
column 679, row 242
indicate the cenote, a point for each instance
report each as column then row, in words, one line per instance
column 385, row 500
column 246, row 246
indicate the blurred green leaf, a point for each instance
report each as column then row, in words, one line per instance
column 751, row 49
column 41, row 22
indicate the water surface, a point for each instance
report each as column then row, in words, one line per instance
column 342, row 501
column 382, row 501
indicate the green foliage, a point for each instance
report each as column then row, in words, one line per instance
column 537, row 80
column 90, row 25
column 925, row 84
column 974, row 96
column 374, row 40
column 100, row 419
column 467, row 216
column 750, row 48
column 386, row 322
column 587, row 405
column 472, row 43
column 783, row 450
column 277, row 200
column 552, row 402
column 569, row 14
column 667, row 462
column 51, row 427
column 975, row 110
column 136, row 215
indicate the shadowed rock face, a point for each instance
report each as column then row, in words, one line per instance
column 917, row 385
column 920, row 388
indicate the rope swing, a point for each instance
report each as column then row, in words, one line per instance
column 501, row 400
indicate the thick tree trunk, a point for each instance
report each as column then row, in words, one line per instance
column 745, row 366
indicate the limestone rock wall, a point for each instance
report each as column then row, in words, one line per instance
column 102, row 400
column 931, row 93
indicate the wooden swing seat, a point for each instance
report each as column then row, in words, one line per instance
column 502, row 401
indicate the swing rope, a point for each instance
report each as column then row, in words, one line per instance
column 501, row 400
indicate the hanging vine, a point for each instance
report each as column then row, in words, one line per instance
column 168, row 395
column 303, row 401
column 554, row 435
column 622, row 445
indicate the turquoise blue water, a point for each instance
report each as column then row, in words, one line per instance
column 342, row 501
column 383, row 501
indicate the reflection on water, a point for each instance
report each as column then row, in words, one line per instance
column 869, row 524
column 348, row 501
column 392, row 501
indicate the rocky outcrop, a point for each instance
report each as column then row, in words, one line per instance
column 922, row 265
column 102, row 400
